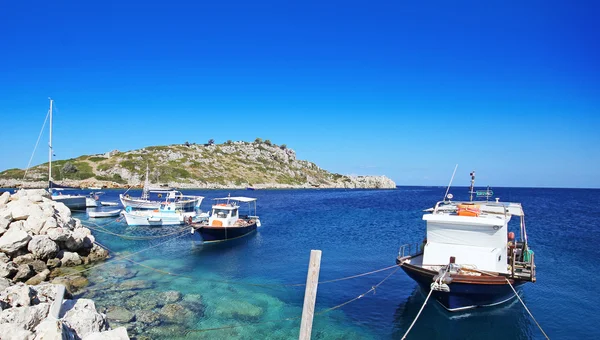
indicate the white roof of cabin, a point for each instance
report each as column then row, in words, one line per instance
column 486, row 207
column 239, row 199
column 484, row 220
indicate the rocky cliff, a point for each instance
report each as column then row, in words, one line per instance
column 230, row 165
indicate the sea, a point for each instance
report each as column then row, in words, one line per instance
column 253, row 287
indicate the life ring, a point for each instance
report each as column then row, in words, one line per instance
column 128, row 209
column 127, row 196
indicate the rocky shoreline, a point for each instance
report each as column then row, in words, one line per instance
column 39, row 241
column 358, row 182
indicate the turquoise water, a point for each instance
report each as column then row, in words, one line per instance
column 242, row 289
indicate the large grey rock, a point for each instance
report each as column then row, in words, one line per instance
column 97, row 253
column 53, row 263
column 10, row 331
column 49, row 223
column 8, row 269
column 68, row 258
column 46, row 292
column 59, row 234
column 17, row 295
column 52, row 329
column 4, row 258
column 43, row 247
column 82, row 317
column 23, row 259
column 35, row 223
column 27, row 317
column 38, row 265
column 4, row 283
column 20, row 209
column 4, row 197
column 24, row 273
column 114, row 334
column 38, row 278
column 80, row 238
column 13, row 240
column 5, row 219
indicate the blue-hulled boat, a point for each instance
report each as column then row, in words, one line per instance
column 470, row 257
column 226, row 222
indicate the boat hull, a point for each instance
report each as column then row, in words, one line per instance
column 211, row 234
column 101, row 214
column 137, row 203
column 478, row 292
column 72, row 202
column 153, row 219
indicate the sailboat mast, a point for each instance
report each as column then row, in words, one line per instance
column 50, row 149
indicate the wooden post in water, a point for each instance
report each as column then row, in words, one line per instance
column 310, row 294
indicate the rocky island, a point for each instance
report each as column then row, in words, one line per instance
column 259, row 164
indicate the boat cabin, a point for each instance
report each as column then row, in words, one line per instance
column 471, row 234
column 225, row 212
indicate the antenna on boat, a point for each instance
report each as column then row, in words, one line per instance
column 472, row 184
column 449, row 184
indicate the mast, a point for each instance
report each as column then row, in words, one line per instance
column 50, row 149
column 472, row 184
column 146, row 184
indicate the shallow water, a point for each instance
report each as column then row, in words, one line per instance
column 240, row 289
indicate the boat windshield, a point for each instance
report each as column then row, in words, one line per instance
column 220, row 212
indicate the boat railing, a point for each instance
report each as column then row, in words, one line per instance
column 409, row 249
column 522, row 268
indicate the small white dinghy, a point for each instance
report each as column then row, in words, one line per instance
column 109, row 213
column 112, row 204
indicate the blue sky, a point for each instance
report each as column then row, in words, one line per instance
column 396, row 88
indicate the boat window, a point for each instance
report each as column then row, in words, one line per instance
column 220, row 212
column 234, row 213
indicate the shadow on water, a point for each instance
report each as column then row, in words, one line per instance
column 508, row 320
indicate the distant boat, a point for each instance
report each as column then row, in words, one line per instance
column 109, row 213
column 182, row 202
column 225, row 222
column 250, row 188
column 94, row 188
column 73, row 202
column 166, row 214
column 112, row 204
column 470, row 258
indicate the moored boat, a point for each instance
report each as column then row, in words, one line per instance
column 146, row 201
column 107, row 213
column 166, row 214
column 112, row 204
column 226, row 222
column 470, row 257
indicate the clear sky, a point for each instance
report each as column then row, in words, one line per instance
column 405, row 89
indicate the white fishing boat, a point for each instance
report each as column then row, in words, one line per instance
column 470, row 256
column 226, row 222
column 152, row 199
column 166, row 214
column 108, row 213
column 94, row 188
column 110, row 204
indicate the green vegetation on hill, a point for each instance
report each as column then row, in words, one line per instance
column 227, row 164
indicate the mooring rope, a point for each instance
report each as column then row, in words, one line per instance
column 101, row 229
column 424, row 303
column 527, row 309
column 372, row 289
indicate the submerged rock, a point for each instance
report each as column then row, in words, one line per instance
column 171, row 296
column 114, row 334
column 119, row 314
column 148, row 317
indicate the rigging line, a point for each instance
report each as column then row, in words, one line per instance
column 527, row 309
column 297, row 317
column 101, row 229
column 347, row 277
column 122, row 257
column 36, row 145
